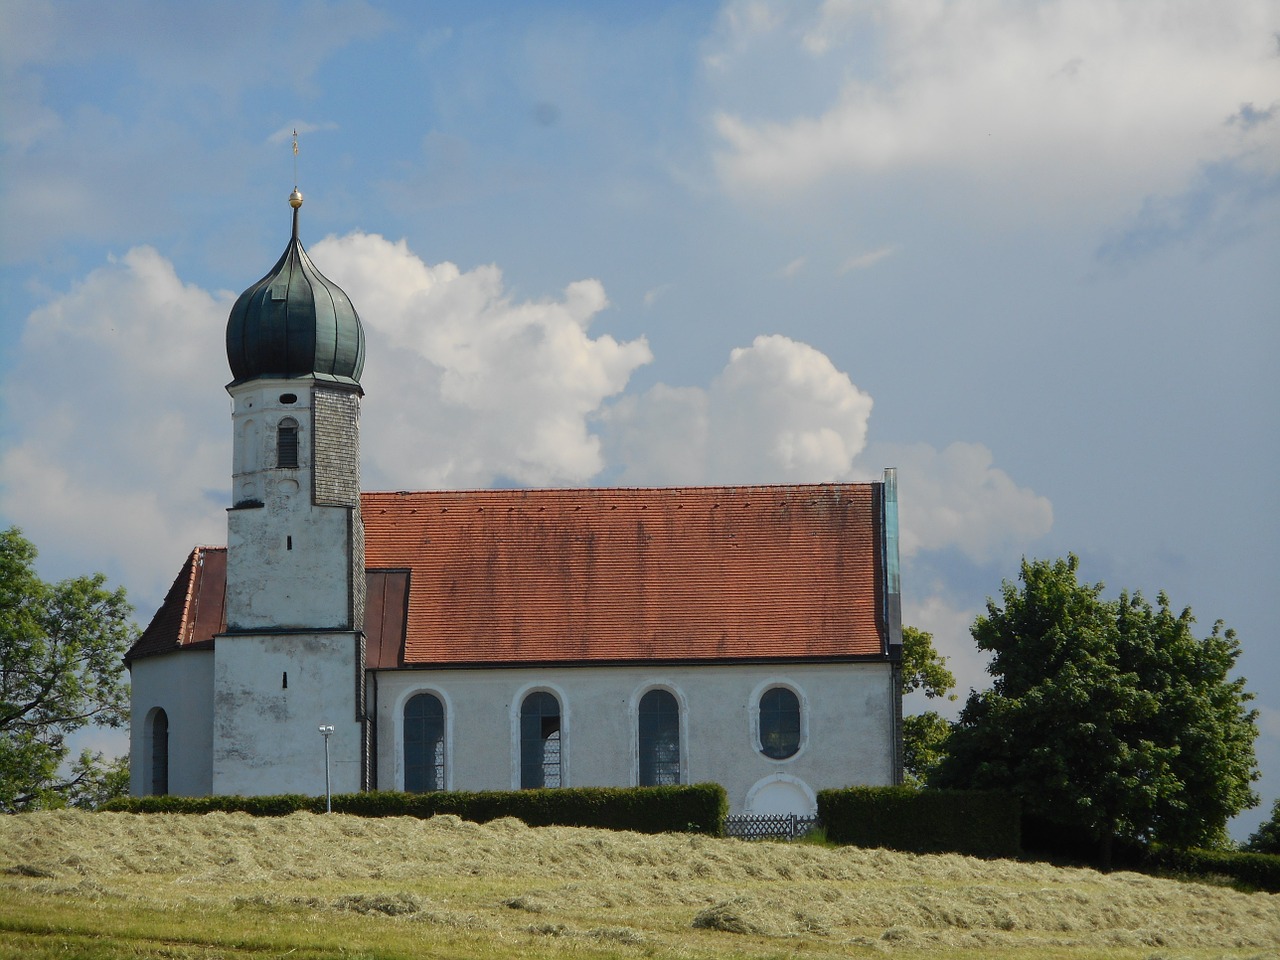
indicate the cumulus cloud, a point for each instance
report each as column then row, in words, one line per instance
column 1064, row 104
column 466, row 386
column 957, row 499
column 779, row 412
column 120, row 445
column 949, row 624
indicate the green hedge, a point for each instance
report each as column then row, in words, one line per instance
column 974, row 822
column 695, row 809
column 1260, row 871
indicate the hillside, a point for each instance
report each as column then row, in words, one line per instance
column 229, row 885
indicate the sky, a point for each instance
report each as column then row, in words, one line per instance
column 1024, row 252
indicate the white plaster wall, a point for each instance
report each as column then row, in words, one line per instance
column 288, row 565
column 182, row 685
column 288, row 561
column 846, row 716
column 266, row 737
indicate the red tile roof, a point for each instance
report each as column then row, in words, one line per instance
column 705, row 573
column 503, row 577
column 193, row 611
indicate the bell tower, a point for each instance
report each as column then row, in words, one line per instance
column 292, row 657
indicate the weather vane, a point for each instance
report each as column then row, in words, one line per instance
column 295, row 158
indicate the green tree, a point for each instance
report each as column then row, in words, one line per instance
column 1108, row 717
column 924, row 735
column 1267, row 837
column 61, row 669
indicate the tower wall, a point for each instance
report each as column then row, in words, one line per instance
column 292, row 656
column 295, row 543
column 272, row 693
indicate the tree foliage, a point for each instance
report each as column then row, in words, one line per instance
column 61, row 669
column 1109, row 717
column 1267, row 837
column 924, row 735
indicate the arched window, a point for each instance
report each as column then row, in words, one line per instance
column 160, row 753
column 659, row 739
column 539, row 741
column 287, row 443
column 779, row 723
column 423, row 744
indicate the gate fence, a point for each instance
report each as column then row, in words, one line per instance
column 785, row 826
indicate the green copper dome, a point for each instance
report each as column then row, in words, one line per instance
column 295, row 322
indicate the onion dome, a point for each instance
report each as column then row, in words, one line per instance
column 295, row 322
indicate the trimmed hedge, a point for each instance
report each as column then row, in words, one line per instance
column 1258, row 870
column 974, row 822
column 700, row 808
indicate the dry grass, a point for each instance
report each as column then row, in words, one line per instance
column 230, row 885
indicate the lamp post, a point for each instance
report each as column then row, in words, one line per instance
column 326, row 731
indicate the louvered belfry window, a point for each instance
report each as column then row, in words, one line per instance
column 287, row 443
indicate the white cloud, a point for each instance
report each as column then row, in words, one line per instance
column 951, row 638
column 862, row 261
column 467, row 387
column 779, row 412
column 120, row 451
column 957, row 499
column 792, row 269
column 1065, row 104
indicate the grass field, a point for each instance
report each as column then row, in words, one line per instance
column 232, row 886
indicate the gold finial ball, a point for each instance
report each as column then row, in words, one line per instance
column 295, row 198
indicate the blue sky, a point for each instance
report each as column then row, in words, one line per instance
column 1024, row 252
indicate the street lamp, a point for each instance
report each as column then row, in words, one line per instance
column 326, row 731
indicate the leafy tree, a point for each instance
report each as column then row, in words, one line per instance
column 924, row 735
column 61, row 669
column 1107, row 717
column 1267, row 837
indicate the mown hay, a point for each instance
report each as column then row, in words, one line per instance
column 584, row 883
column 391, row 905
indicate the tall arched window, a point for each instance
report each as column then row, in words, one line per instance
column 539, row 741
column 160, row 753
column 779, row 723
column 287, row 443
column 659, row 739
column 423, row 744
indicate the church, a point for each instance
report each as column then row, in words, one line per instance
column 504, row 639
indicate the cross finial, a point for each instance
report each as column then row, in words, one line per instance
column 295, row 198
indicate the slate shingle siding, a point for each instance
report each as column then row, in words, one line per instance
column 337, row 447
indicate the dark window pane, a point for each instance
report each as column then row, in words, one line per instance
column 659, row 739
column 160, row 753
column 779, row 723
column 423, row 744
column 539, row 741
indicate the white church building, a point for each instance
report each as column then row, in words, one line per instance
column 505, row 639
